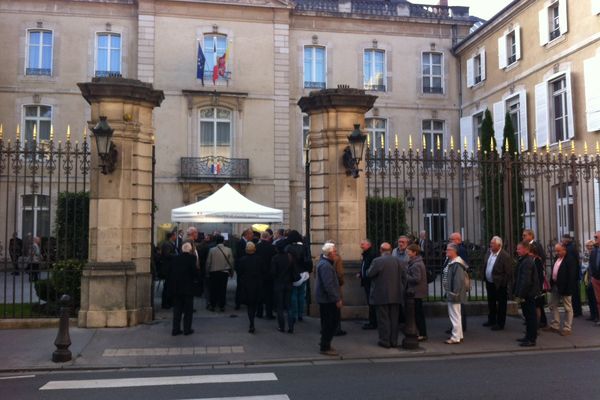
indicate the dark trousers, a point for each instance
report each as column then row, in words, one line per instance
column 251, row 313
column 218, row 288
column 182, row 305
column 237, row 291
column 529, row 312
column 576, row 299
column 328, row 324
column 266, row 303
column 372, row 312
column 497, row 299
column 591, row 296
column 420, row 317
column 34, row 274
column 388, row 324
column 540, row 302
column 463, row 317
column 282, row 305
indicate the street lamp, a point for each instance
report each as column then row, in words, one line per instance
column 107, row 151
column 353, row 153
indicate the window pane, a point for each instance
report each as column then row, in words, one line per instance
column 43, row 223
column 437, row 82
column 436, row 58
column 102, row 41
column 206, row 133
column 27, row 200
column 31, row 111
column 102, row 63
column 438, row 125
column 27, row 222
column 46, row 57
column 47, row 38
column 207, row 113
column 115, row 60
column 115, row 41
column 34, row 56
column 437, row 70
column 223, row 113
column 44, row 133
column 380, row 123
column 45, row 111
column 426, row 125
column 223, row 133
column 426, row 69
column 369, row 123
column 29, row 129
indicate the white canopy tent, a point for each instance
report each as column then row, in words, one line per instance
column 226, row 205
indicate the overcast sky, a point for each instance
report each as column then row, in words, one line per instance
column 480, row 8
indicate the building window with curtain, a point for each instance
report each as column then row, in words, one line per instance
column 39, row 117
column 108, row 54
column 215, row 132
column 511, row 48
column 35, row 215
column 435, row 218
column 39, row 53
column 374, row 70
column 377, row 131
column 433, row 139
column 314, row 67
column 513, row 108
column 559, row 110
column 432, row 67
column 553, row 21
column 215, row 51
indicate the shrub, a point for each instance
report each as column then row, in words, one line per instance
column 386, row 219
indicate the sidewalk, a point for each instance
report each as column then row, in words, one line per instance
column 221, row 339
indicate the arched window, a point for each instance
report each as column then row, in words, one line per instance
column 215, row 132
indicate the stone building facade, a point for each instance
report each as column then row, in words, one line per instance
column 240, row 123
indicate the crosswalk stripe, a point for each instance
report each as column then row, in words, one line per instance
column 271, row 397
column 17, row 377
column 157, row 381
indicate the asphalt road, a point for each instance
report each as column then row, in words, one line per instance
column 566, row 375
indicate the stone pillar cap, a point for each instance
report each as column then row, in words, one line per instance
column 342, row 96
column 121, row 88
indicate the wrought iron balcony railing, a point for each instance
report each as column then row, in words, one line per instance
column 374, row 87
column 314, row 85
column 433, row 89
column 214, row 168
column 105, row 74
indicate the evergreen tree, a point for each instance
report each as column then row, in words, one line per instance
column 492, row 196
column 517, row 206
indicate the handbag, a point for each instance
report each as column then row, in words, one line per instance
column 546, row 285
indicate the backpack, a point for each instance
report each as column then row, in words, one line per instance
column 466, row 279
column 430, row 274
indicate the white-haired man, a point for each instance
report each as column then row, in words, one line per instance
column 327, row 293
column 497, row 270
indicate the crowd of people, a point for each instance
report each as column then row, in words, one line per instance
column 272, row 270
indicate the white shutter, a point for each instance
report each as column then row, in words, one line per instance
column 541, row 113
column 591, row 68
column 543, row 29
column 518, row 41
column 562, row 16
column 523, row 134
column 597, row 203
column 482, row 61
column 595, row 7
column 466, row 133
column 571, row 118
column 470, row 74
column 502, row 52
column 499, row 126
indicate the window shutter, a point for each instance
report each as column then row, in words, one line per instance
column 470, row 72
column 597, row 202
column 570, row 123
column 562, row 16
column 541, row 113
column 518, row 41
column 524, row 136
column 595, row 7
column 544, row 34
column 498, row 110
column 591, row 67
column 502, row 52
column 482, row 58
column 466, row 133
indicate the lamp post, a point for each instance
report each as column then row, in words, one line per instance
column 107, row 151
column 353, row 153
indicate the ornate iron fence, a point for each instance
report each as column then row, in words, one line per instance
column 480, row 195
column 43, row 223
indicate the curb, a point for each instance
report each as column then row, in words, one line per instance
column 33, row 323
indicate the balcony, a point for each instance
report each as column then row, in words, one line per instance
column 38, row 71
column 108, row 74
column 214, row 168
column 314, row 85
column 374, row 87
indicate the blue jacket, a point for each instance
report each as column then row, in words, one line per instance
column 327, row 287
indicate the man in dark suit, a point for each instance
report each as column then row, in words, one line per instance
column 562, row 282
column 497, row 271
column 595, row 269
column 265, row 252
column 240, row 252
column 15, row 249
column 181, row 289
column 369, row 253
column 168, row 252
column 540, row 301
column 388, row 287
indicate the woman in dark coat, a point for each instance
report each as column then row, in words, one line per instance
column 181, row 289
column 282, row 272
column 417, row 285
column 527, row 288
column 250, row 280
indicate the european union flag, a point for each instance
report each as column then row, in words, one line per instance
column 201, row 62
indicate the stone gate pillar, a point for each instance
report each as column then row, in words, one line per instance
column 116, row 286
column 338, row 201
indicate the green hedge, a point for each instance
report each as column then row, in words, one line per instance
column 71, row 225
column 65, row 278
column 386, row 219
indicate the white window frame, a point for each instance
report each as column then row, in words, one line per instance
column 366, row 80
column 476, row 64
column 545, row 21
column 96, row 49
column 431, row 76
column 591, row 67
column 499, row 116
column 443, row 217
column 28, row 38
column 431, row 153
column 375, row 134
column 543, row 111
column 215, row 120
column 504, row 56
column 305, row 121
column 313, row 71
column 36, row 208
column 38, row 119
column 529, row 218
column 565, row 213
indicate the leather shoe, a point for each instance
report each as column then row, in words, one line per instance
column 497, row 328
column 565, row 332
column 175, row 333
column 186, row 333
column 527, row 344
column 329, row 352
column 382, row 344
column 523, row 339
column 487, row 324
column 369, row 327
